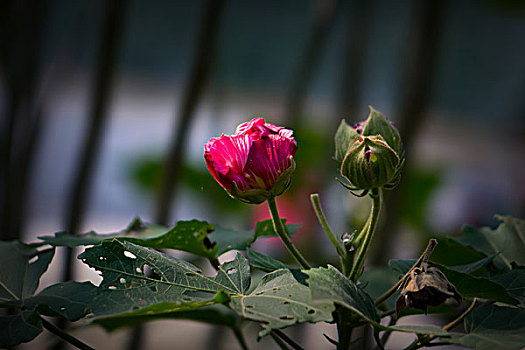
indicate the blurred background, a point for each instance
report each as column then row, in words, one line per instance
column 106, row 105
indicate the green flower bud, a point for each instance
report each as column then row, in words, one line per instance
column 370, row 153
column 370, row 163
column 376, row 124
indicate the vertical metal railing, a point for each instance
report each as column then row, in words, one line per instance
column 323, row 18
column 21, row 30
column 416, row 87
column 199, row 76
column 104, row 73
column 357, row 17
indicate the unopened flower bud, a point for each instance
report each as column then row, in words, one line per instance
column 370, row 152
column 376, row 124
column 370, row 163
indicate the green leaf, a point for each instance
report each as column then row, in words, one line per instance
column 193, row 236
column 450, row 252
column 189, row 236
column 475, row 266
column 280, row 301
column 493, row 327
column 467, row 285
column 506, row 242
column 137, row 229
column 22, row 268
column 514, row 283
column 215, row 314
column 328, row 285
column 377, row 281
column 264, row 262
column 344, row 136
column 268, row 264
column 127, row 287
column 20, row 328
column 70, row 300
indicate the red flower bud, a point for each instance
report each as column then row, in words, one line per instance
column 254, row 164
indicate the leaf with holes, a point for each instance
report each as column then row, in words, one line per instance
column 70, row 300
column 189, row 236
column 193, row 236
column 135, row 277
column 493, row 327
column 506, row 242
column 280, row 301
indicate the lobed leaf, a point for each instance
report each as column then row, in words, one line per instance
column 26, row 266
column 20, row 328
column 493, row 327
column 514, row 282
column 193, row 236
column 506, row 242
column 280, row 301
column 329, row 286
column 127, row 286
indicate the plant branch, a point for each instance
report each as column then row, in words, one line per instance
column 240, row 338
column 425, row 341
column 287, row 339
column 374, row 215
column 460, row 318
column 316, row 205
column 65, row 336
column 279, row 341
column 432, row 243
column 281, row 231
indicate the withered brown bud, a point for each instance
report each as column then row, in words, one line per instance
column 426, row 287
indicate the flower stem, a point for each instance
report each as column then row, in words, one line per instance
column 344, row 334
column 281, row 231
column 240, row 338
column 65, row 336
column 316, row 205
column 374, row 215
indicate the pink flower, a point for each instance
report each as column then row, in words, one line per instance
column 255, row 163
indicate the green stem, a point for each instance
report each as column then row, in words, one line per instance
column 314, row 198
column 374, row 215
column 425, row 340
column 65, row 336
column 287, row 339
column 240, row 338
column 281, row 231
column 344, row 334
column 279, row 341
